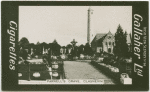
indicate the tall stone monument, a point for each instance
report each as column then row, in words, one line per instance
column 90, row 34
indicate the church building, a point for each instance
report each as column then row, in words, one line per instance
column 103, row 43
column 100, row 42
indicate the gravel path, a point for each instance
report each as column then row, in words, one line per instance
column 82, row 70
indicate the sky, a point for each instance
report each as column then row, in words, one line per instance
column 65, row 23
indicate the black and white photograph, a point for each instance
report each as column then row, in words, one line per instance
column 75, row 46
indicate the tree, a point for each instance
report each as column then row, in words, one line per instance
column 125, row 45
column 38, row 49
column 88, row 49
column 50, row 45
column 68, row 47
column 121, row 47
column 80, row 50
column 43, row 46
column 63, row 49
column 74, row 48
column 74, row 52
column 31, row 45
column 55, row 48
column 24, row 54
column 24, row 42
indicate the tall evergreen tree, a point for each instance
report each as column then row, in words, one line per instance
column 121, row 46
column 55, row 48
column 38, row 49
column 125, row 45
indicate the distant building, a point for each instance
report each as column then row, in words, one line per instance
column 103, row 43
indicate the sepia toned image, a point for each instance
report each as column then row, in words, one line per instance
column 75, row 45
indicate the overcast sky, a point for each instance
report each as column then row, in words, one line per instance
column 65, row 23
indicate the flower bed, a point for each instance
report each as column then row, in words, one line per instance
column 29, row 72
column 110, row 68
column 40, row 71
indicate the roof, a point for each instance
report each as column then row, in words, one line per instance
column 98, row 36
column 100, row 40
column 101, row 36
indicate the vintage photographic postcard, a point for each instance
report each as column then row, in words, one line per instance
column 55, row 46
